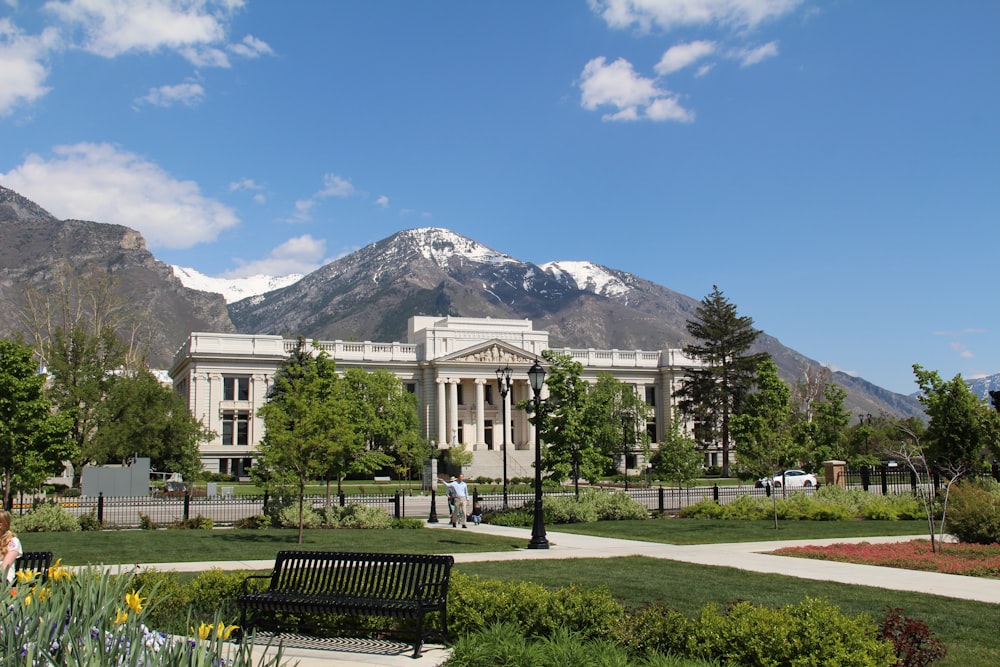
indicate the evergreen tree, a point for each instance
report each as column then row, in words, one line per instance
column 34, row 440
column 713, row 393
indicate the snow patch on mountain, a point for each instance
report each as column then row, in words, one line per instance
column 233, row 289
column 440, row 245
column 587, row 276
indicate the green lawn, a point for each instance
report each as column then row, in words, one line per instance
column 705, row 531
column 126, row 547
column 968, row 629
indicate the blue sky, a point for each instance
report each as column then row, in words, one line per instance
column 833, row 166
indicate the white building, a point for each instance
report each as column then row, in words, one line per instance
column 450, row 363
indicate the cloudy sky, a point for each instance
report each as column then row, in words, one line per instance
column 833, row 166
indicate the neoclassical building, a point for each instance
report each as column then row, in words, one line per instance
column 450, row 363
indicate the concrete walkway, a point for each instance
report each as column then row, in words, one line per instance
column 750, row 556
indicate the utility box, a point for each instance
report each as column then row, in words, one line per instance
column 835, row 472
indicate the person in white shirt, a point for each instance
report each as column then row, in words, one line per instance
column 460, row 490
column 10, row 547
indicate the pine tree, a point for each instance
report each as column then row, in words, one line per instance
column 712, row 394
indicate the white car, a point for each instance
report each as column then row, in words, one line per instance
column 792, row 479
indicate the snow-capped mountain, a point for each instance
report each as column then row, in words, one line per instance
column 588, row 276
column 233, row 289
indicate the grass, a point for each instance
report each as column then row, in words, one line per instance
column 967, row 628
column 708, row 531
column 126, row 547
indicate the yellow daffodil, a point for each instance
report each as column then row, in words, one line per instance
column 120, row 616
column 222, row 631
column 25, row 576
column 27, row 600
column 42, row 593
column 134, row 601
column 204, row 630
column 57, row 571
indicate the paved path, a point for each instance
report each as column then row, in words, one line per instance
column 746, row 556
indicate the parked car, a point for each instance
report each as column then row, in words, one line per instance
column 790, row 479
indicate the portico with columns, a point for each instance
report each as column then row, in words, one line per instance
column 449, row 363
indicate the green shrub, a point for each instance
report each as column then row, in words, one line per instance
column 535, row 610
column 356, row 515
column 706, row 508
column 255, row 522
column 288, row 517
column 407, row 524
column 974, row 513
column 145, row 522
column 194, row 523
column 812, row 633
column 89, row 522
column 748, row 508
column 46, row 517
column 654, row 628
column 569, row 510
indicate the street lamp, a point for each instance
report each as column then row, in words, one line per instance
column 503, row 386
column 536, row 377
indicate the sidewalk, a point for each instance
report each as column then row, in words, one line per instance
column 750, row 556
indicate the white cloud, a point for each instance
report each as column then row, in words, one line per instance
column 113, row 27
column 618, row 85
column 250, row 185
column 748, row 57
column 22, row 69
column 301, row 254
column 188, row 94
column 670, row 14
column 336, row 186
column 682, row 55
column 382, row 201
column 103, row 183
column 251, row 47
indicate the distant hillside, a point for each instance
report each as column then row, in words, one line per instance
column 34, row 245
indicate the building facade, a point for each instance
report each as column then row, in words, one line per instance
column 450, row 363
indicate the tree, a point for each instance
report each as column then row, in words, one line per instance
column 763, row 427
column 962, row 427
column 34, row 440
column 712, row 394
column 83, row 368
column 677, row 459
column 618, row 416
column 823, row 435
column 385, row 417
column 307, row 429
column 140, row 416
column 566, row 431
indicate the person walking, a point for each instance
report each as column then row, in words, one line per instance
column 460, row 490
column 10, row 547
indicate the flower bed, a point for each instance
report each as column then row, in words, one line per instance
column 975, row 560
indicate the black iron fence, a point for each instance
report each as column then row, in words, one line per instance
column 228, row 511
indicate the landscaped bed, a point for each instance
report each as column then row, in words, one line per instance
column 976, row 560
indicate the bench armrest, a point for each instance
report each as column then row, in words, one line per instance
column 245, row 586
column 432, row 589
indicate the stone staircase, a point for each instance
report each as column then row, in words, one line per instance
column 489, row 463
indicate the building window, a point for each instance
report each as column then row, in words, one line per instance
column 411, row 387
column 650, row 395
column 236, row 389
column 458, row 394
column 236, row 427
column 489, row 394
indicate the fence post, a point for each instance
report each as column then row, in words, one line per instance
column 395, row 502
column 715, row 492
column 937, row 481
column 100, row 507
column 996, row 471
column 187, row 506
column 865, row 477
column 263, row 508
column 885, row 480
column 659, row 500
column 433, row 517
column 341, row 498
column 913, row 481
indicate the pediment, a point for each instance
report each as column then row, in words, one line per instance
column 493, row 352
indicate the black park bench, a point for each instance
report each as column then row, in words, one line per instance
column 306, row 584
column 37, row 561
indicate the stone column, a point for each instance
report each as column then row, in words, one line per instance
column 453, row 411
column 480, row 413
column 442, row 429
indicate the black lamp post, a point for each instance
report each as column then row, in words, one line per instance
column 536, row 377
column 503, row 386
